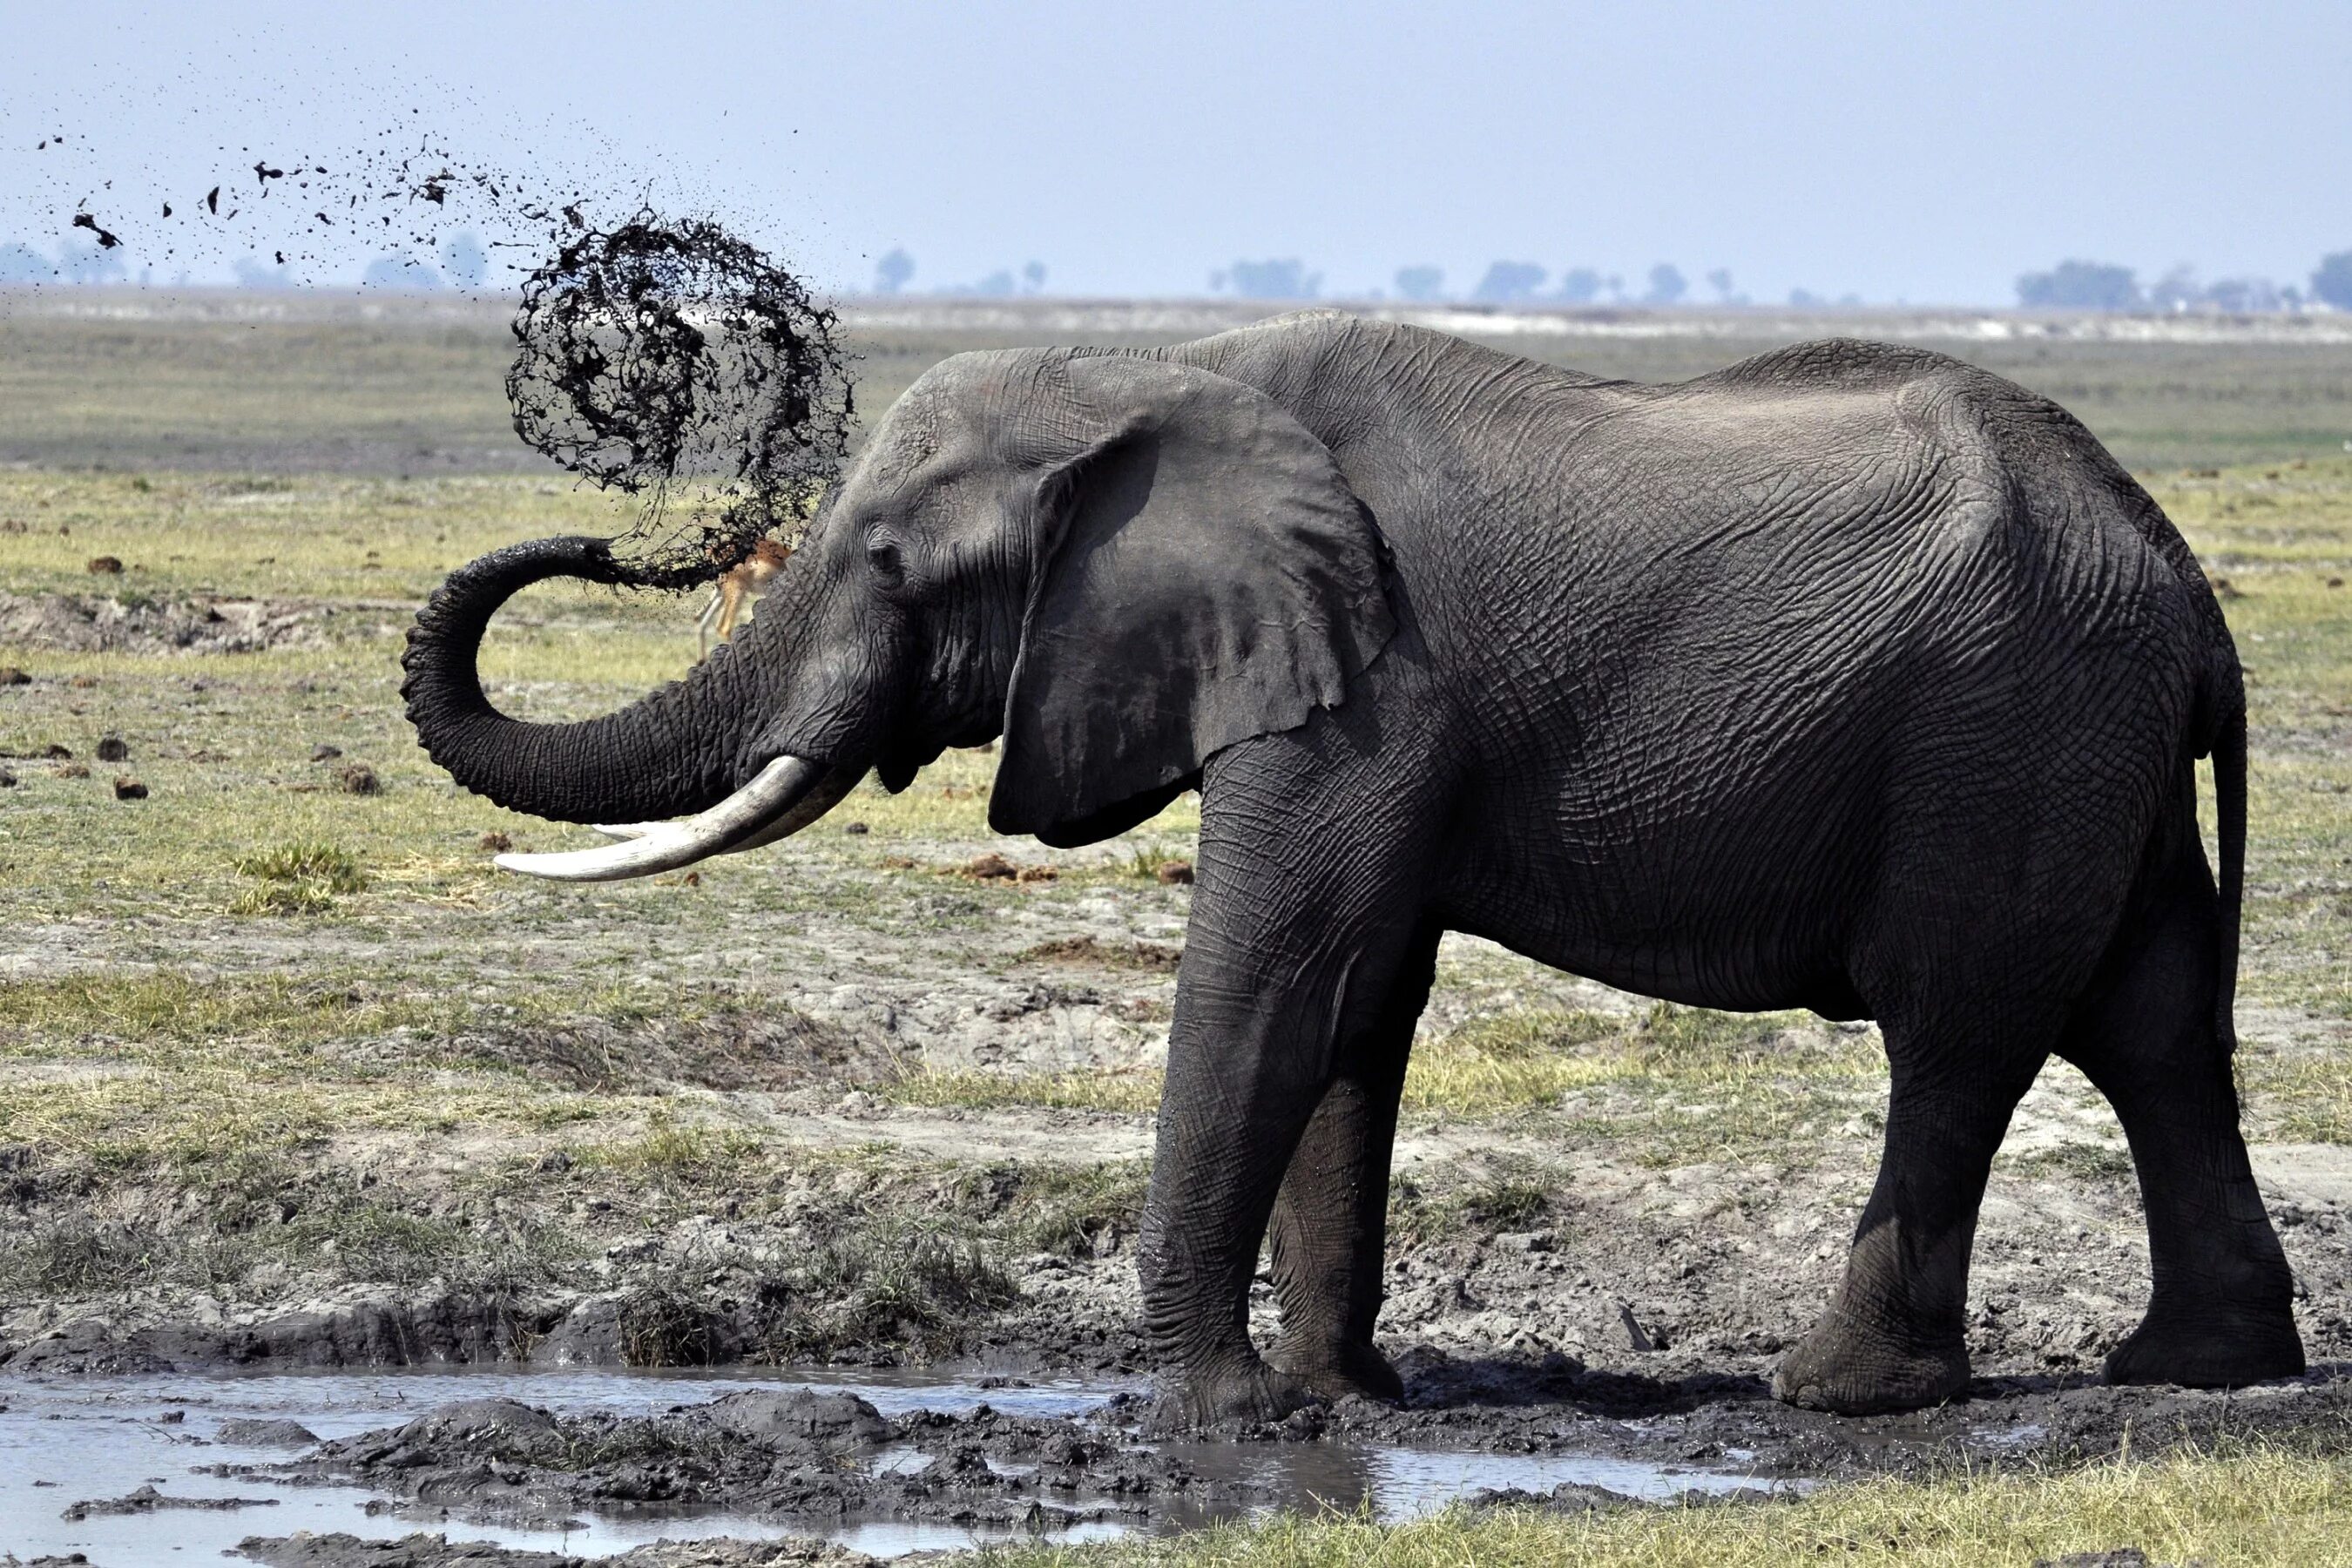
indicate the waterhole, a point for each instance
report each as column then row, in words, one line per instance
column 65, row 1441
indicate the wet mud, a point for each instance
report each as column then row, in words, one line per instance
column 147, row 1500
column 340, row 1550
column 812, row 1462
column 798, row 1456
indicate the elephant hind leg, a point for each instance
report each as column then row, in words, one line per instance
column 1893, row 1337
column 2148, row 1035
column 1329, row 1234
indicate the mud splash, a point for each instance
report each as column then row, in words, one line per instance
column 676, row 363
column 662, row 358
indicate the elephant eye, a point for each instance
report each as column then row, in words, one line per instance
column 882, row 556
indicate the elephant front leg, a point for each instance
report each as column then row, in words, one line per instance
column 1296, row 940
column 1329, row 1239
column 1239, row 1094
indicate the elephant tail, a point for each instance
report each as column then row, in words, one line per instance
column 2230, row 825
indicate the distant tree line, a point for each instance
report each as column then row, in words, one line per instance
column 896, row 270
column 463, row 263
column 2078, row 285
column 77, row 261
column 1504, row 283
column 2072, row 285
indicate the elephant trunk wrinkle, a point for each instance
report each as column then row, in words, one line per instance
column 668, row 753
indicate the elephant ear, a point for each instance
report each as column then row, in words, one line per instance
column 1204, row 574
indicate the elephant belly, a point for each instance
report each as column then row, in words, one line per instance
column 1752, row 913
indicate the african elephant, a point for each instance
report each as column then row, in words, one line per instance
column 1850, row 678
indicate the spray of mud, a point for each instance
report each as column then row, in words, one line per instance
column 676, row 364
column 664, row 360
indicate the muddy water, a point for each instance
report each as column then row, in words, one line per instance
column 67, row 1440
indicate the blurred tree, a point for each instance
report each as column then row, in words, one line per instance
column 2079, row 286
column 1666, row 285
column 893, row 272
column 2332, row 281
column 464, row 261
column 1579, row 285
column 1507, row 282
column 997, row 282
column 84, row 260
column 1032, row 277
column 1284, row 279
column 20, row 263
column 1719, row 280
column 2178, row 289
column 1801, row 298
column 399, row 272
column 2246, row 295
column 251, row 272
column 1424, row 282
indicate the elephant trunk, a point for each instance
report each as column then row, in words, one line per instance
column 675, row 751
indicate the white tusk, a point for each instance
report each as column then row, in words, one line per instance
column 827, row 794
column 819, row 800
column 649, row 847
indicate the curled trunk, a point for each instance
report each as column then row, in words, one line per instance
column 673, row 751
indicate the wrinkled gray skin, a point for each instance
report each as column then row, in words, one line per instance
column 1849, row 678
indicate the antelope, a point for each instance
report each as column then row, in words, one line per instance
column 747, row 580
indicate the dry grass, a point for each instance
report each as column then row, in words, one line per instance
column 1127, row 1093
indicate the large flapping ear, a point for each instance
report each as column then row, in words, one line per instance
column 1202, row 574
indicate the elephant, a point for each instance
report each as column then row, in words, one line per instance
column 1850, row 678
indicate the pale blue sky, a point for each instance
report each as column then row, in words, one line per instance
column 1927, row 152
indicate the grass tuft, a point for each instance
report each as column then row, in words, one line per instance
column 1129, row 1093
column 297, row 880
column 894, row 1281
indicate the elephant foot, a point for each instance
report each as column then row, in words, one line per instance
column 2212, row 1351
column 1849, row 1368
column 1245, row 1395
column 1334, row 1371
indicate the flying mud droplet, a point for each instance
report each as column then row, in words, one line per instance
column 674, row 361
column 105, row 239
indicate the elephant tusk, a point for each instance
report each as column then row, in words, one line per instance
column 747, row 817
column 827, row 794
column 819, row 800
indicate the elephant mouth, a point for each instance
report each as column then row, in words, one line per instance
column 783, row 797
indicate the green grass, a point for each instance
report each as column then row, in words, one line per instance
column 2256, row 1507
column 1512, row 1060
column 297, row 879
column 416, row 944
column 265, row 1218
column 679, row 1155
column 1666, row 1083
column 1130, row 1093
column 2281, row 536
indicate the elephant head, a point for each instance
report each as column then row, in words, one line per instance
column 1117, row 563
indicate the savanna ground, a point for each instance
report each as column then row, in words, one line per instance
column 286, row 1071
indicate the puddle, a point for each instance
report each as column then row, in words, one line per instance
column 100, row 1437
